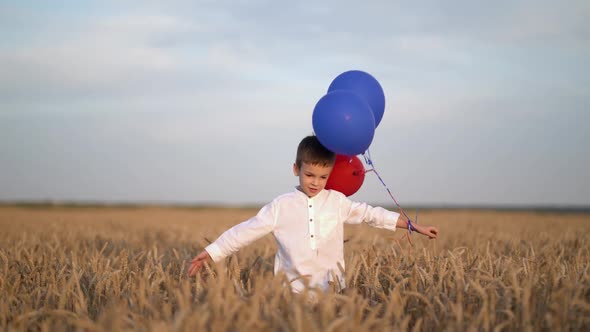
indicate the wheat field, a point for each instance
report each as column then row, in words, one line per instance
column 117, row 269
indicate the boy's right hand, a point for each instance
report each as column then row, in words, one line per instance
column 198, row 262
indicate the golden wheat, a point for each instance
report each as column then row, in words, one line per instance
column 109, row 269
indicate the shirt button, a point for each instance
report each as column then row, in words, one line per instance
column 312, row 235
column 310, row 206
column 310, row 219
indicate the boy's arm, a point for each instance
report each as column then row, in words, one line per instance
column 237, row 237
column 356, row 213
column 381, row 218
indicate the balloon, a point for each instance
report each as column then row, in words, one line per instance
column 365, row 86
column 344, row 123
column 347, row 175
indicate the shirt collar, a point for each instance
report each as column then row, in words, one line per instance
column 300, row 193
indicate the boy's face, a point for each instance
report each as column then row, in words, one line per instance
column 312, row 178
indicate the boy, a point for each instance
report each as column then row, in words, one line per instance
column 307, row 225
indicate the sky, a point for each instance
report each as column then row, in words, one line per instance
column 200, row 102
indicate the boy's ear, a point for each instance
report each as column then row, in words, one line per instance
column 295, row 169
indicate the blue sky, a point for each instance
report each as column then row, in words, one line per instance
column 206, row 101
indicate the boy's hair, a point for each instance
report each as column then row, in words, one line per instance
column 311, row 151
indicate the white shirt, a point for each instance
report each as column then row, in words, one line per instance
column 309, row 234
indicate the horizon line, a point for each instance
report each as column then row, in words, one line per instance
column 202, row 205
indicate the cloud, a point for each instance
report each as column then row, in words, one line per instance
column 104, row 58
column 208, row 46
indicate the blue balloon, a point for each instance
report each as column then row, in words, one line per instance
column 344, row 123
column 365, row 86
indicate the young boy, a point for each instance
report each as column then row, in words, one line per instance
column 307, row 224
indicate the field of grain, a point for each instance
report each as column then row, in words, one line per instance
column 112, row 269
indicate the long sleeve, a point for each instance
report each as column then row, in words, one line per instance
column 243, row 234
column 378, row 217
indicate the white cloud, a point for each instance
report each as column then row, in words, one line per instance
column 104, row 58
column 548, row 22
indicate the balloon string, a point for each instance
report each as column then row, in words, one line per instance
column 367, row 156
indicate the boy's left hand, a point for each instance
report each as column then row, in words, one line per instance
column 429, row 231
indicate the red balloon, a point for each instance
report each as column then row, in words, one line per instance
column 347, row 175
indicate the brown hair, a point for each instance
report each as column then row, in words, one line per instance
column 311, row 151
